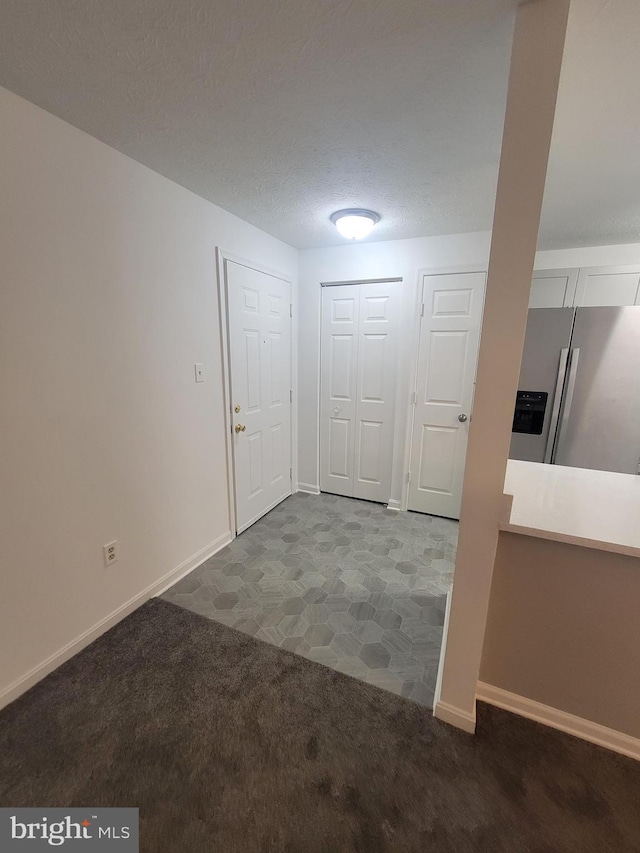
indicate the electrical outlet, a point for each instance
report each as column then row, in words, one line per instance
column 110, row 551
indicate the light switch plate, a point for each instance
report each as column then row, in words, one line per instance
column 199, row 370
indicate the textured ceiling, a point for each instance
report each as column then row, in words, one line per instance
column 283, row 111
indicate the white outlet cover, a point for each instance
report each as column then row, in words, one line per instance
column 199, row 371
column 110, row 553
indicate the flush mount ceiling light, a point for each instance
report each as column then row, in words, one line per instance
column 354, row 223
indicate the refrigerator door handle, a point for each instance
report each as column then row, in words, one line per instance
column 555, row 410
column 568, row 399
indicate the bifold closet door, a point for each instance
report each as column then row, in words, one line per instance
column 338, row 372
column 357, row 396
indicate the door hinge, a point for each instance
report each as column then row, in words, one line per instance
column 414, row 398
column 291, row 473
column 422, row 310
column 290, row 309
column 408, row 476
column 291, row 396
column 638, row 471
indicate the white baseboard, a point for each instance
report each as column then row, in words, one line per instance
column 192, row 563
column 308, row 488
column 556, row 719
column 21, row 685
column 443, row 650
column 455, row 716
column 395, row 505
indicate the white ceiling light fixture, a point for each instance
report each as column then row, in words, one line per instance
column 354, row 223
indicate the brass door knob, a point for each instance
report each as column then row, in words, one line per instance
column 236, row 409
column 240, row 427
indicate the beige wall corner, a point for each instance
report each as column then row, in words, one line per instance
column 556, row 719
column 562, row 631
column 535, row 71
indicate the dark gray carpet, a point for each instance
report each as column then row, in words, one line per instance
column 229, row 744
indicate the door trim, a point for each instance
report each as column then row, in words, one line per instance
column 223, row 310
column 415, row 345
column 393, row 280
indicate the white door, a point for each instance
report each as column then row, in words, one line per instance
column 259, row 307
column 360, row 328
column 338, row 372
column 447, row 358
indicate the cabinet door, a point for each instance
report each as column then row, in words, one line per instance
column 608, row 286
column 553, row 288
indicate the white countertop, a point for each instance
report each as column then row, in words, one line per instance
column 596, row 509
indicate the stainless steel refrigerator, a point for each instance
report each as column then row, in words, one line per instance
column 578, row 402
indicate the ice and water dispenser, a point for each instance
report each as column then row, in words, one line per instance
column 529, row 413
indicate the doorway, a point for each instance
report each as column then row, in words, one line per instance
column 258, row 326
column 451, row 316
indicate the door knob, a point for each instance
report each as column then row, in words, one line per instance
column 240, row 427
column 236, row 409
column 462, row 418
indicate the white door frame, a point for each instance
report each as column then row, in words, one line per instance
column 415, row 343
column 223, row 310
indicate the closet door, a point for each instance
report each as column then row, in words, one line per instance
column 376, row 386
column 357, row 397
column 340, row 321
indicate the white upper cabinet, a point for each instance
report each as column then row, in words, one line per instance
column 586, row 287
column 553, row 288
column 617, row 286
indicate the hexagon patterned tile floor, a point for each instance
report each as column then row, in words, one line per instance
column 347, row 583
